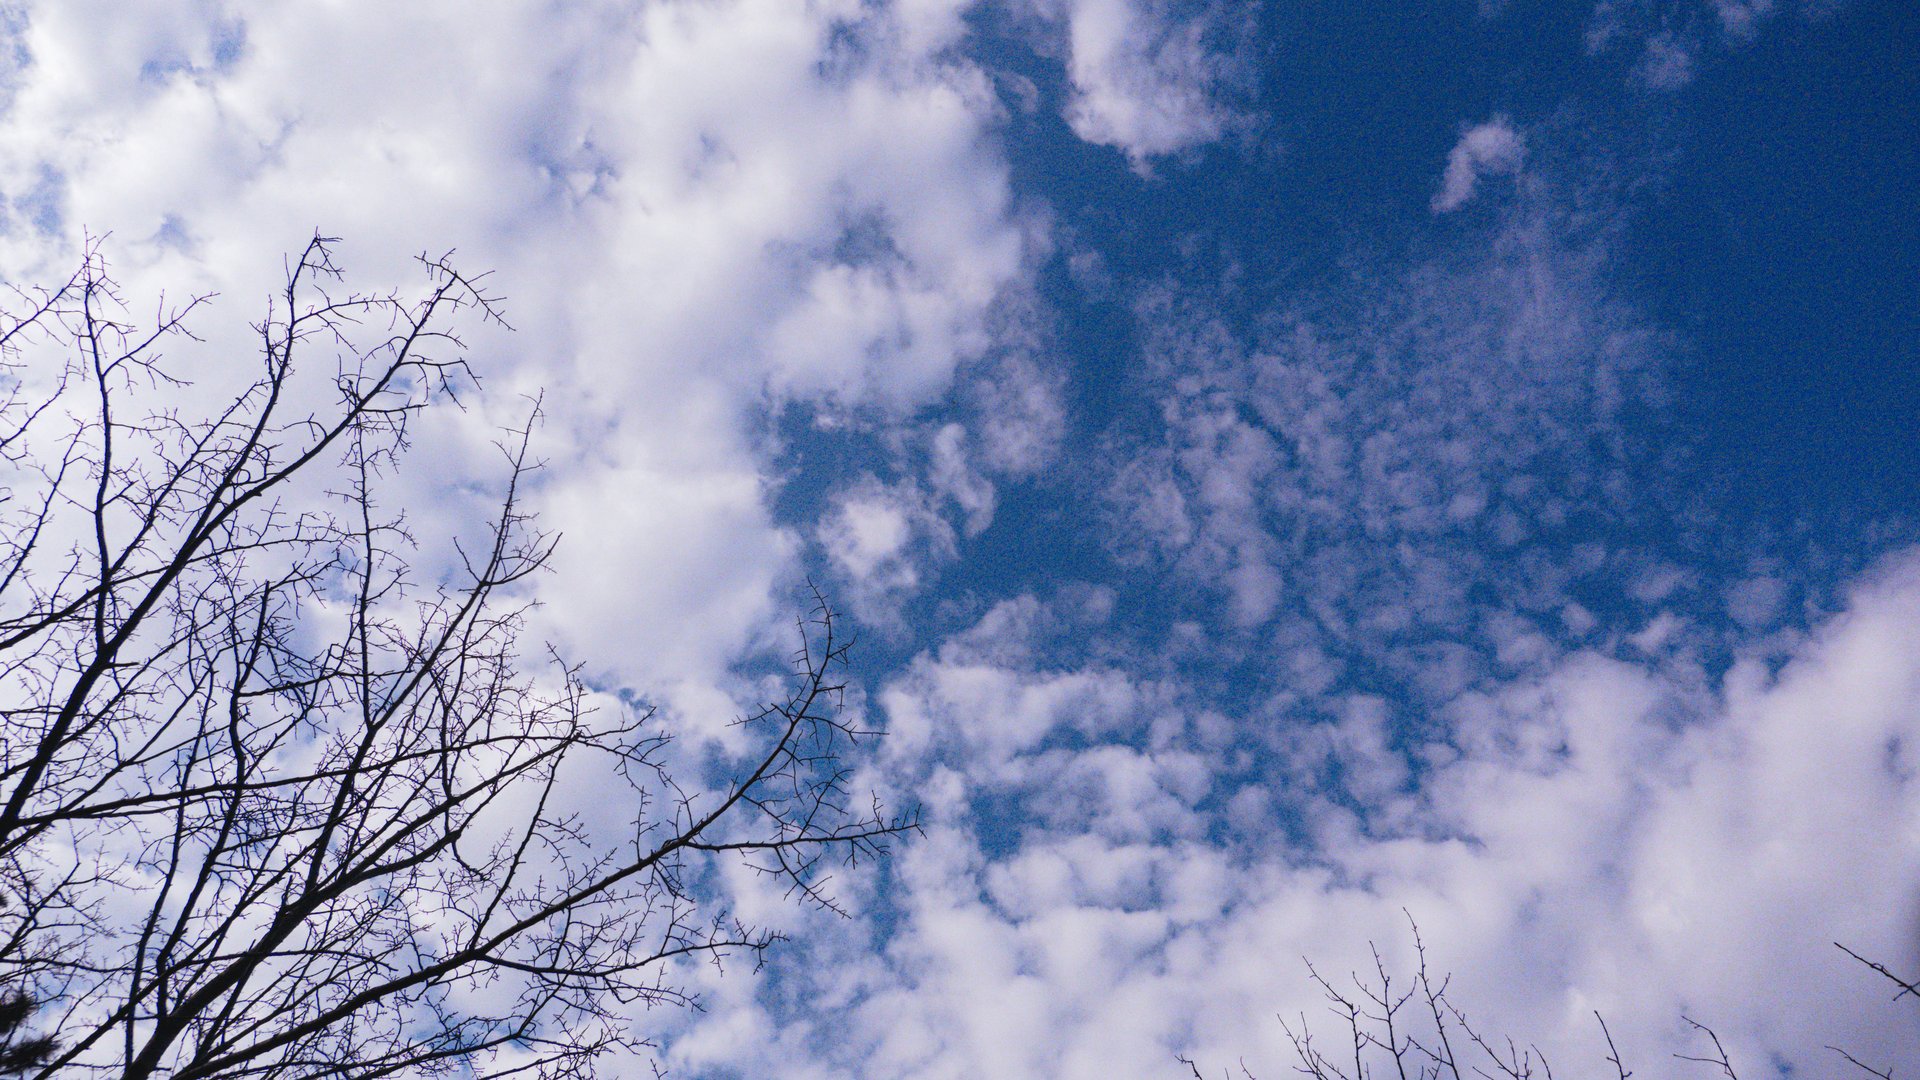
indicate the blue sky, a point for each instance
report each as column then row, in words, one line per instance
column 1286, row 462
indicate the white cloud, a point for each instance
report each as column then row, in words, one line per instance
column 884, row 541
column 664, row 570
column 999, row 716
column 1490, row 149
column 954, row 475
column 1669, row 40
column 1387, row 474
column 1146, row 79
column 1611, row 834
column 1740, row 19
column 1019, row 418
column 1667, row 63
column 867, row 533
column 695, row 209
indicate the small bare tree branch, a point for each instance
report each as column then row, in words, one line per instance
column 1719, row 1058
column 1621, row 1072
column 1883, row 1074
column 1906, row 986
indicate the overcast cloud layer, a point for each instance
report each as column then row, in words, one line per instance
column 1275, row 503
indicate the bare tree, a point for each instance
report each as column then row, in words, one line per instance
column 1412, row 1033
column 275, row 803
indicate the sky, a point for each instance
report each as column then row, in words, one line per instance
column 1291, row 465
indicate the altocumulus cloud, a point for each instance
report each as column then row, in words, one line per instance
column 1606, row 834
column 1308, row 570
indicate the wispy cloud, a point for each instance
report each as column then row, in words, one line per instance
column 1387, row 480
column 1490, row 149
column 1666, row 41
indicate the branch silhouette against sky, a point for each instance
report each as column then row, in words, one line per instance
column 1285, row 466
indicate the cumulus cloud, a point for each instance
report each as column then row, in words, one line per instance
column 1424, row 652
column 1016, row 416
column 1610, row 834
column 955, row 475
column 884, row 541
column 698, row 211
column 1490, row 149
column 984, row 693
column 1147, row 78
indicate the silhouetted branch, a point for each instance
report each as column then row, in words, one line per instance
column 1719, row 1058
column 274, row 803
column 1906, row 987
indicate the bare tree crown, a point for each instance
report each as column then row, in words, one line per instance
column 271, row 804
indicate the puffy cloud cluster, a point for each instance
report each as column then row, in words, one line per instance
column 1149, row 77
column 1098, row 892
column 1422, row 480
column 700, row 213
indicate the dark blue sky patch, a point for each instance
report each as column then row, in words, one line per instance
column 1787, row 249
